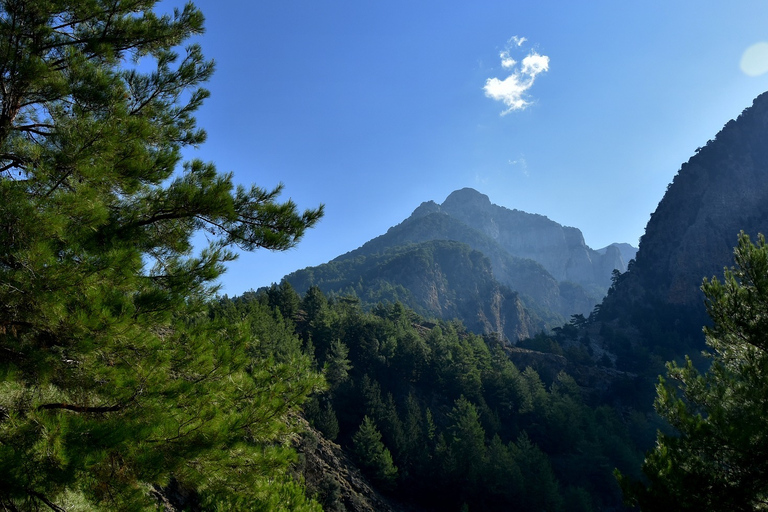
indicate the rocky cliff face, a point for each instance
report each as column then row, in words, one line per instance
column 720, row 191
column 561, row 250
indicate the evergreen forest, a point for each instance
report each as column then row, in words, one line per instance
column 440, row 417
column 127, row 382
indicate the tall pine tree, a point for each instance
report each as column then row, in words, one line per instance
column 718, row 459
column 111, row 377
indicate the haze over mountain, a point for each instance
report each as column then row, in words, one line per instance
column 505, row 271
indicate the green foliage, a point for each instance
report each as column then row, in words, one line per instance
column 324, row 419
column 284, row 299
column 337, row 365
column 539, row 480
column 542, row 343
column 372, row 455
column 718, row 458
column 113, row 375
column 462, row 424
column 465, row 444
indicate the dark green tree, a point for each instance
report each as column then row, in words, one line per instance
column 284, row 299
column 112, row 375
column 337, row 364
column 502, row 478
column 718, row 458
column 416, row 444
column 466, row 443
column 374, row 458
column 315, row 322
column 541, row 486
column 326, row 422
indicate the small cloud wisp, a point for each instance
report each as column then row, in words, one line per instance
column 512, row 90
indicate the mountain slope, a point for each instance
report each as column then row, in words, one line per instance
column 438, row 278
column 720, row 191
column 525, row 276
column 515, row 295
column 561, row 250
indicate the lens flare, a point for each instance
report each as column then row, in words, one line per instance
column 754, row 62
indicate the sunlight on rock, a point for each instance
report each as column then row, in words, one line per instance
column 754, row 61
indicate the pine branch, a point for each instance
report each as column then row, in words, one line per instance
column 45, row 500
column 85, row 409
column 81, row 408
column 34, row 128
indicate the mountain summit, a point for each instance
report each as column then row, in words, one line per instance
column 561, row 250
column 498, row 270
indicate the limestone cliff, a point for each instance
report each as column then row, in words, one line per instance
column 561, row 250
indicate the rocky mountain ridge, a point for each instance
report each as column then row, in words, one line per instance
column 500, row 289
column 561, row 250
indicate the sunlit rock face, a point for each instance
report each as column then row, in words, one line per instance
column 561, row 250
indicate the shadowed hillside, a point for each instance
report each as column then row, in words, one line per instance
column 721, row 190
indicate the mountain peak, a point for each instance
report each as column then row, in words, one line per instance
column 467, row 197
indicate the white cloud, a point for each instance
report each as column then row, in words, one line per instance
column 534, row 64
column 517, row 41
column 512, row 90
column 506, row 60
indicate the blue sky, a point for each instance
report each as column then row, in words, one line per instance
column 372, row 107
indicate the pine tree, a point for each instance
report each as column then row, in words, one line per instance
column 337, row 364
column 372, row 455
column 718, row 459
column 541, row 486
column 112, row 376
column 466, row 441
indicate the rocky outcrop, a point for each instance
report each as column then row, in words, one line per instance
column 626, row 251
column 334, row 480
column 540, row 272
